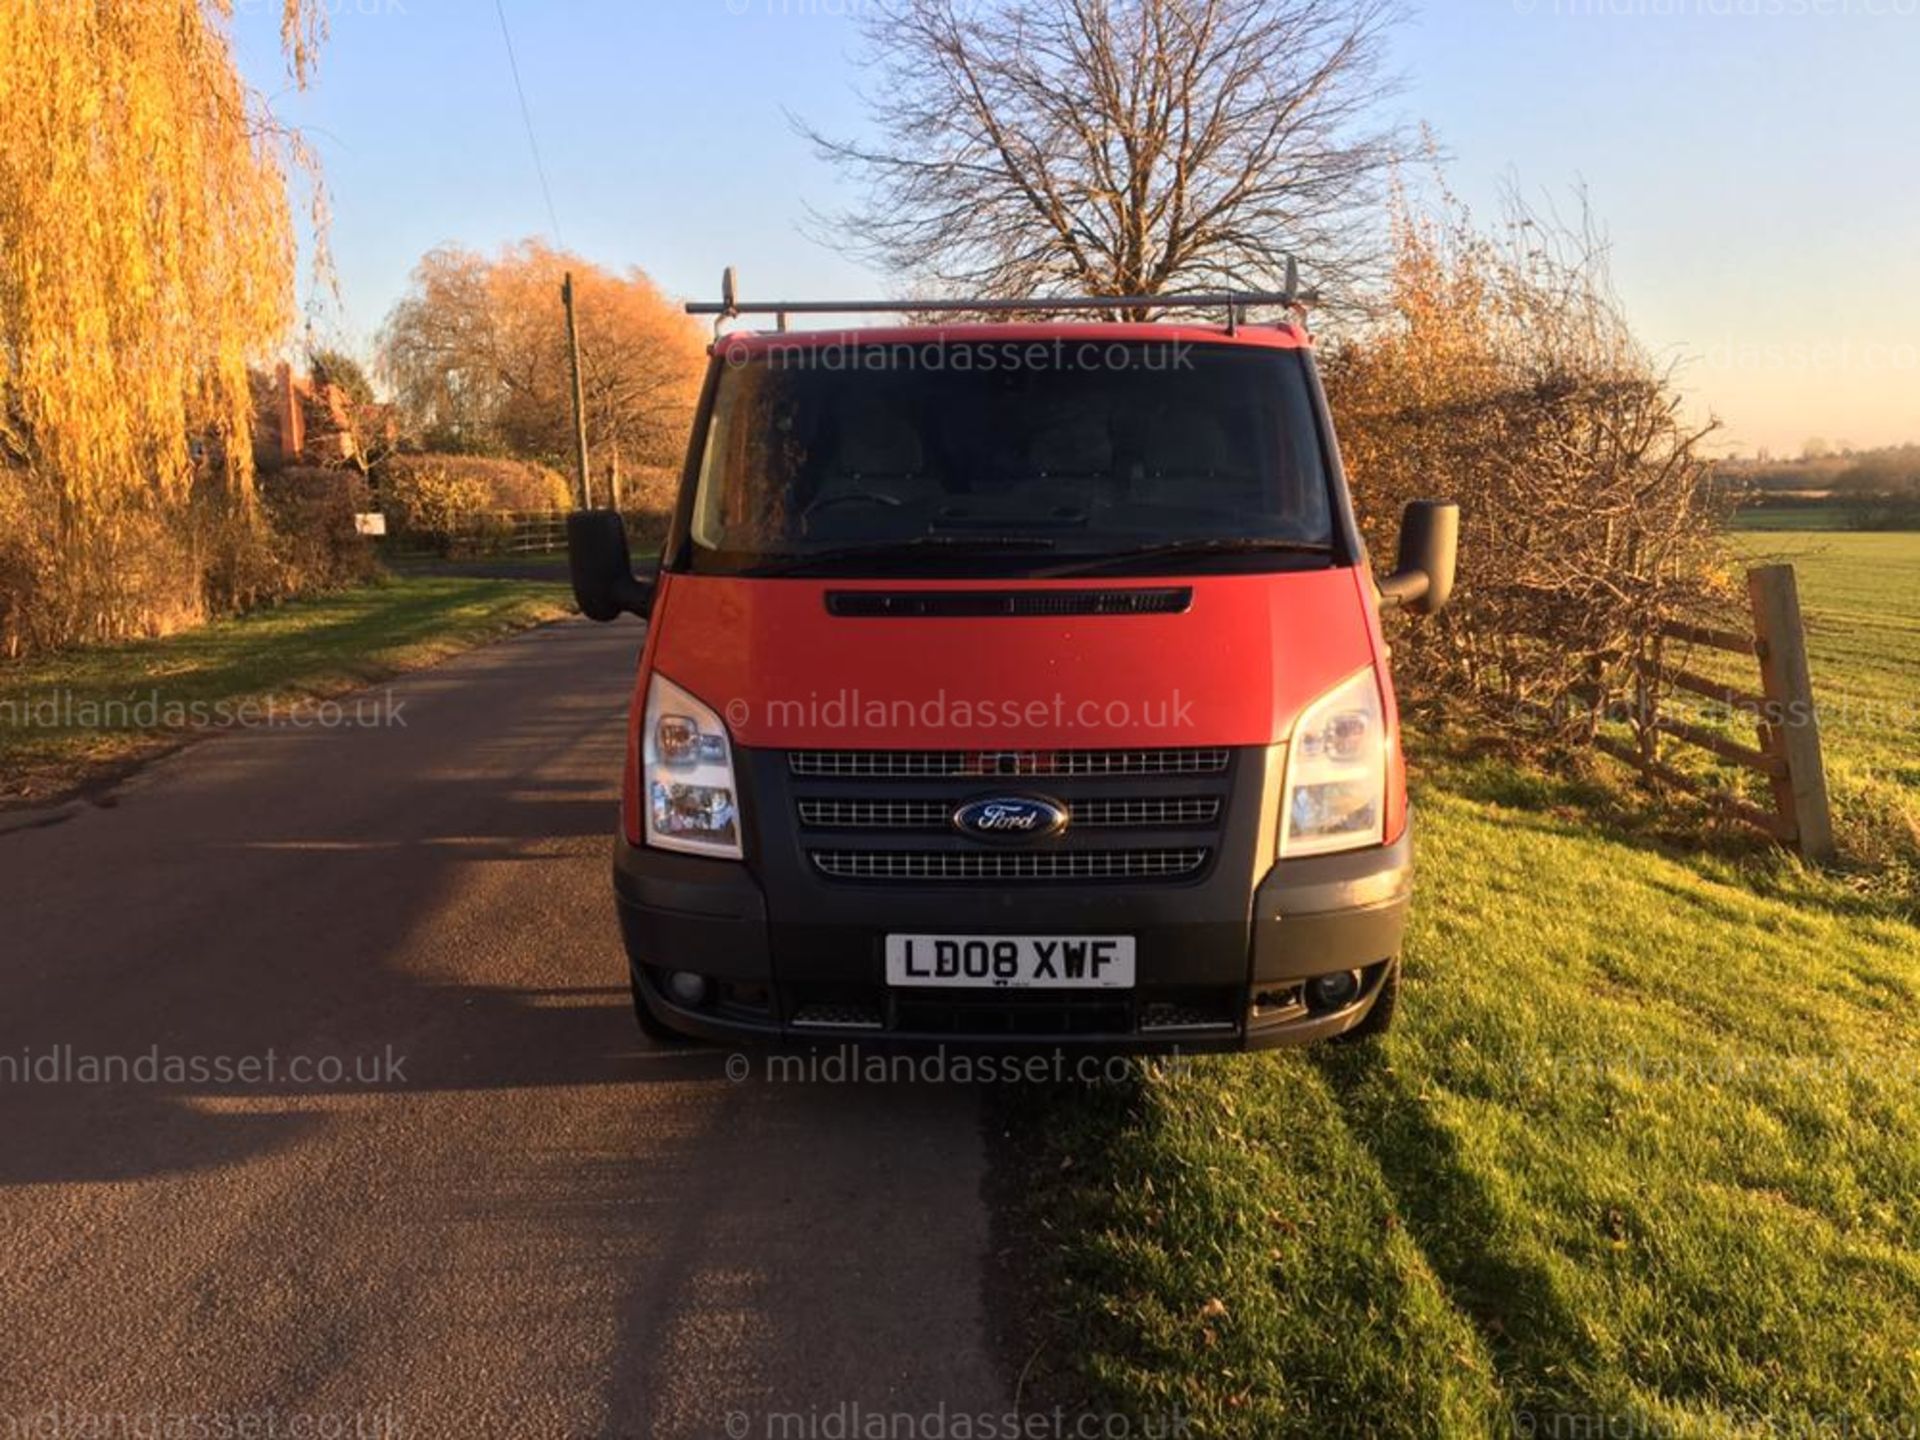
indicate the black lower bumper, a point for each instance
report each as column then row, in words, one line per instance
column 1208, row 978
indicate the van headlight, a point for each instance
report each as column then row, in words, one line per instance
column 1336, row 791
column 686, row 769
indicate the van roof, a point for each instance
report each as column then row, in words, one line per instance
column 741, row 345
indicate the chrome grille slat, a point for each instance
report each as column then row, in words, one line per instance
column 935, row 815
column 875, row 814
column 962, row 865
column 1147, row 812
column 1003, row 764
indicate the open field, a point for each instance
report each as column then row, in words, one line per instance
column 82, row 716
column 1763, row 519
column 1861, row 595
column 1642, row 1159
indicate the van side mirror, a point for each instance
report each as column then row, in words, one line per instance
column 604, row 584
column 1429, row 554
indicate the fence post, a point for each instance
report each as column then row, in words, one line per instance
column 1792, row 726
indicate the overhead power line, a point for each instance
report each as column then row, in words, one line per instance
column 526, row 115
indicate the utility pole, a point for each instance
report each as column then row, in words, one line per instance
column 579, row 396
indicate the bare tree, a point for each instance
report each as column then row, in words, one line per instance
column 1120, row 147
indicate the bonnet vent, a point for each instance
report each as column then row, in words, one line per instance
column 984, row 604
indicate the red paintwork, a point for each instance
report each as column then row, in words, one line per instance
column 1236, row 669
column 739, row 347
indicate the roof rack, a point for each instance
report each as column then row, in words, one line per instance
column 1234, row 302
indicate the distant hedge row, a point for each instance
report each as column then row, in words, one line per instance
column 432, row 495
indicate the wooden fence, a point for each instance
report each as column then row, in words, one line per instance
column 1787, row 751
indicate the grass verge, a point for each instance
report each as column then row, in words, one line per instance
column 81, row 718
column 1642, row 1159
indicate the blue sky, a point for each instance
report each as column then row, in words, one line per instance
column 1756, row 163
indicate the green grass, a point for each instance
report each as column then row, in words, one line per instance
column 1791, row 517
column 74, row 718
column 1644, row 1152
column 1642, row 1158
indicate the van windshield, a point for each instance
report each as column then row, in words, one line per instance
column 1011, row 459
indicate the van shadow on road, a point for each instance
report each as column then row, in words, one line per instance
column 191, row 955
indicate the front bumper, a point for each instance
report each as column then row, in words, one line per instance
column 1215, row 971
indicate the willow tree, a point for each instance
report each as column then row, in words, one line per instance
column 146, row 254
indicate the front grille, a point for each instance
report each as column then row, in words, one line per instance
column 838, row 1016
column 1030, row 1017
column 1002, row 764
column 1172, row 813
column 1161, row 1016
column 886, row 816
column 1199, row 1016
column 949, row 865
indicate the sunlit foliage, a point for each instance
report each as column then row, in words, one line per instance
column 1502, row 374
column 476, row 353
column 146, row 254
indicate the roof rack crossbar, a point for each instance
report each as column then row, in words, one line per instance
column 1238, row 299
column 1234, row 302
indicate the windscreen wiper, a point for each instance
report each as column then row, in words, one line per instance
column 1176, row 549
column 879, row 549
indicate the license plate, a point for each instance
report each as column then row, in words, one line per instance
column 1011, row 962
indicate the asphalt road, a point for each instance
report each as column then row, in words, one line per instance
column 468, row 1199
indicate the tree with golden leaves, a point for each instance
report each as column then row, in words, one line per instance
column 146, row 254
column 476, row 353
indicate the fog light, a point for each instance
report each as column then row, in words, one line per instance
column 686, row 989
column 1334, row 992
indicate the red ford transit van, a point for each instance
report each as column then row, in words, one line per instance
column 1015, row 683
